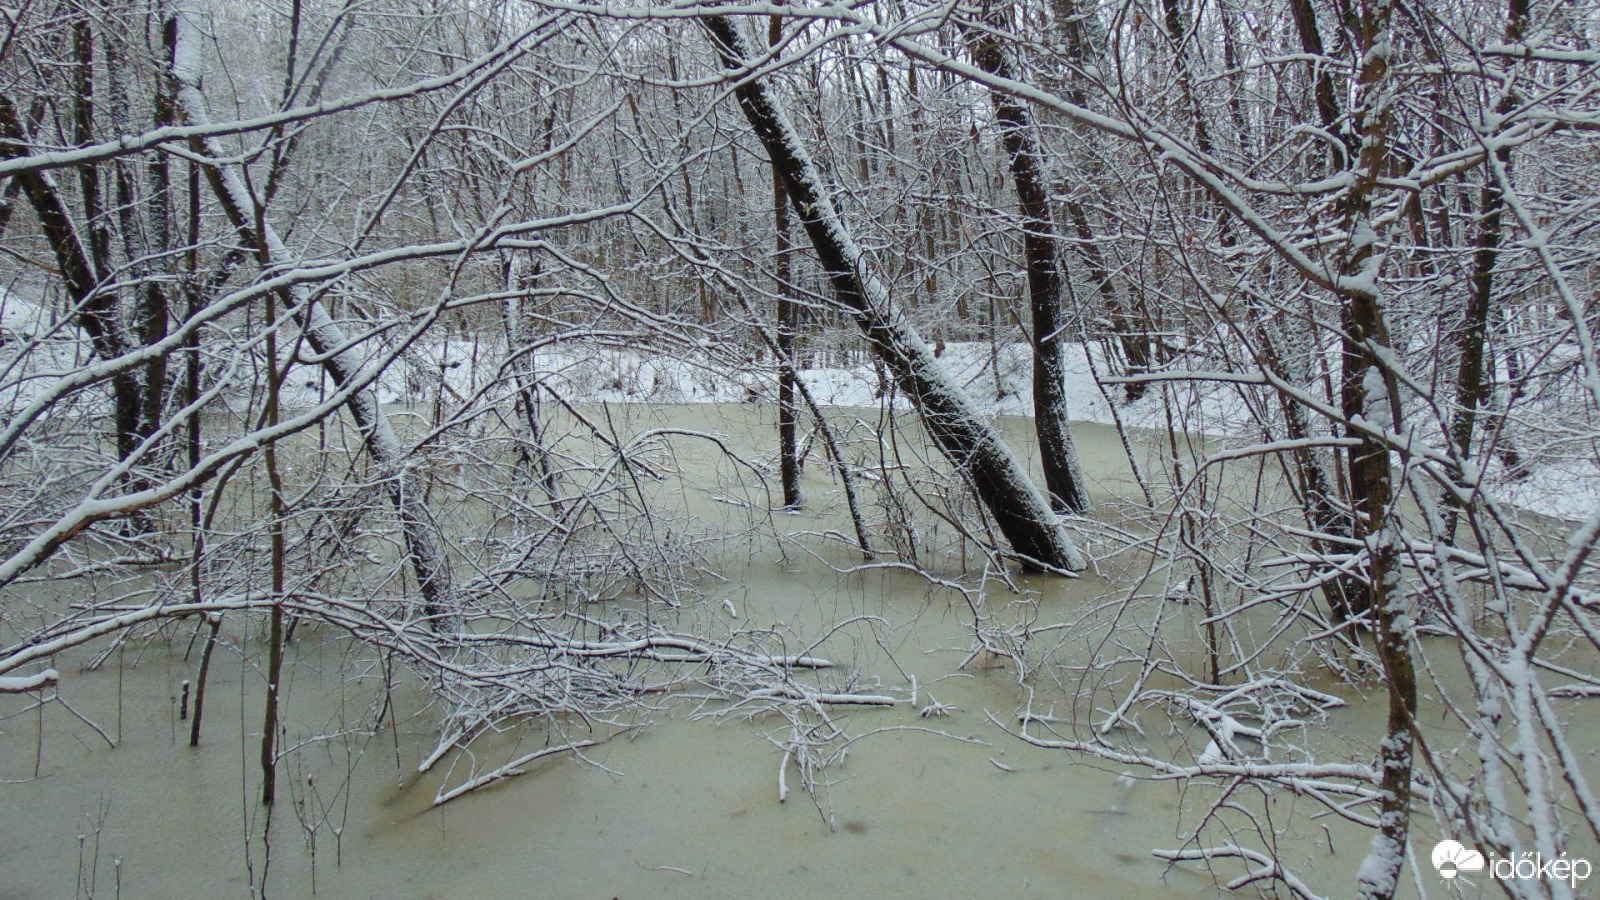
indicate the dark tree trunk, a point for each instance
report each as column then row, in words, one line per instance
column 535, row 452
column 1134, row 342
column 971, row 445
column 788, row 410
column 1082, row 41
column 1063, row 474
column 1472, row 388
column 1345, row 593
column 81, row 275
column 125, row 388
column 154, row 313
column 1372, row 393
column 1305, row 24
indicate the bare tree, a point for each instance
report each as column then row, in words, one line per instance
column 971, row 445
column 1063, row 474
column 439, row 279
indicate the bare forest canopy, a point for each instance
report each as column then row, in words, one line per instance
column 315, row 315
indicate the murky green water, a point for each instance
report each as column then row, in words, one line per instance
column 681, row 809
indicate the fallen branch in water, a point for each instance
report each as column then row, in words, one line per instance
column 795, row 692
column 1269, row 867
column 509, row 770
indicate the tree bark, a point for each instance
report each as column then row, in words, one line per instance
column 1305, row 24
column 971, row 445
column 1371, row 392
column 1063, row 473
column 535, row 455
column 1344, row 592
column 1347, row 596
column 97, row 308
column 788, row 410
column 1079, row 30
column 125, row 388
column 1472, row 388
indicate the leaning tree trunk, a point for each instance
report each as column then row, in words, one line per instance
column 85, row 280
column 1063, row 474
column 971, row 445
column 424, row 544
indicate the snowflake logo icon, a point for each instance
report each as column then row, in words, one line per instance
column 1451, row 859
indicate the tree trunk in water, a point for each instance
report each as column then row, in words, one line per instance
column 1131, row 336
column 125, row 388
column 424, row 544
column 1346, row 595
column 1063, row 474
column 1372, row 484
column 98, row 307
column 1080, row 35
column 275, row 637
column 1371, row 392
column 971, row 445
column 788, row 411
column 1344, row 592
column 155, row 312
column 535, row 452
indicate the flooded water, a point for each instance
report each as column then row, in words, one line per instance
column 678, row 809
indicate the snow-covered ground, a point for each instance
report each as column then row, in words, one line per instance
column 35, row 349
column 998, row 381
